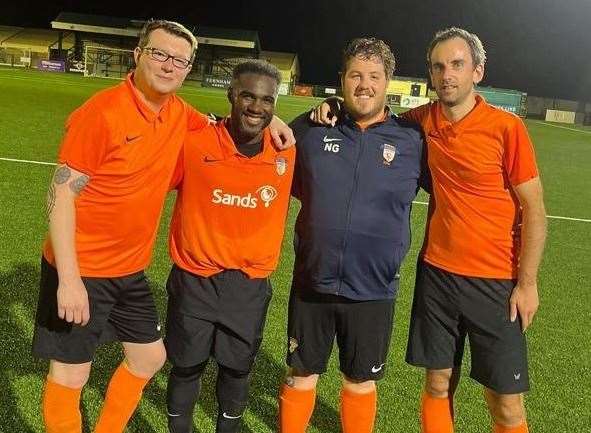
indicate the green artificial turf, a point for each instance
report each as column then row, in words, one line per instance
column 33, row 108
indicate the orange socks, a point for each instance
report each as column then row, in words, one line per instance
column 436, row 415
column 358, row 411
column 295, row 409
column 123, row 395
column 519, row 429
column 61, row 408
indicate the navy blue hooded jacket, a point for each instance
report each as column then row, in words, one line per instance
column 356, row 188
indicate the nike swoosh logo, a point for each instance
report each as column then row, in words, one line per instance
column 225, row 415
column 330, row 140
column 375, row 369
column 129, row 139
column 174, row 414
column 209, row 159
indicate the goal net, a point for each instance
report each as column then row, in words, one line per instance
column 106, row 62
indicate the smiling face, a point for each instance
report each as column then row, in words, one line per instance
column 253, row 99
column 161, row 78
column 364, row 84
column 453, row 73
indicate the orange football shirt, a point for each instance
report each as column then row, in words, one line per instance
column 230, row 210
column 474, row 215
column 130, row 154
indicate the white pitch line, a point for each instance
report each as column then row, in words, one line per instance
column 555, row 217
column 568, row 218
column 26, row 161
column 540, row 122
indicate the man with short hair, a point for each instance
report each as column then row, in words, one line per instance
column 477, row 272
column 225, row 240
column 356, row 183
column 104, row 203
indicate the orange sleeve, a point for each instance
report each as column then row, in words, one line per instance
column 177, row 175
column 519, row 156
column 195, row 120
column 86, row 141
column 417, row 114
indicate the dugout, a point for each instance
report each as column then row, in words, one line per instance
column 289, row 66
column 219, row 50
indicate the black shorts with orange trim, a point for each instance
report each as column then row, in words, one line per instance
column 121, row 309
column 362, row 330
column 221, row 316
column 447, row 308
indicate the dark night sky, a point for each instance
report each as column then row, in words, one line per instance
column 542, row 47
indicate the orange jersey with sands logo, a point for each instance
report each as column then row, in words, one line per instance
column 230, row 210
column 130, row 154
column 474, row 215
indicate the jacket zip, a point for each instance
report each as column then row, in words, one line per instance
column 349, row 212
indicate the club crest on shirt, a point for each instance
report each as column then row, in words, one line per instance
column 281, row 165
column 388, row 153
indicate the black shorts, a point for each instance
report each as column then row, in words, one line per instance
column 362, row 330
column 447, row 307
column 221, row 316
column 121, row 309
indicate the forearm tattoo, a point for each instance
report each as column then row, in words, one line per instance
column 62, row 175
column 50, row 203
column 79, row 183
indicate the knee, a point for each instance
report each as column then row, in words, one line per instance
column 146, row 363
column 437, row 382
column 301, row 380
column 359, row 387
column 69, row 375
column 506, row 409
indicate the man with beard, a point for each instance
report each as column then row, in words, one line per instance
column 225, row 240
column 356, row 183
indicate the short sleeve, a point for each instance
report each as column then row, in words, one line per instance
column 196, row 121
column 86, row 140
column 519, row 156
column 416, row 115
column 179, row 170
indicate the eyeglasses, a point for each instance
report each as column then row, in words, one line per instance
column 163, row 56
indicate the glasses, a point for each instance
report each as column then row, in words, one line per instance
column 163, row 56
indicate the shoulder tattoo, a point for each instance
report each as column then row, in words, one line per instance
column 62, row 174
column 79, row 183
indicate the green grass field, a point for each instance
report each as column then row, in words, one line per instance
column 33, row 107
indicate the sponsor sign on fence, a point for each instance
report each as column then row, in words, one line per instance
column 219, row 82
column 52, row 65
column 412, row 101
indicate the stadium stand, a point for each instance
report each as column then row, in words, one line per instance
column 27, row 47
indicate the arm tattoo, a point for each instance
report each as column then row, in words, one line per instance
column 50, row 204
column 62, row 174
column 79, row 183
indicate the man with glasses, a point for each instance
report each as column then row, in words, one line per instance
column 115, row 166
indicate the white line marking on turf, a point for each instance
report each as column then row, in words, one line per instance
column 26, row 161
column 541, row 122
column 555, row 217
